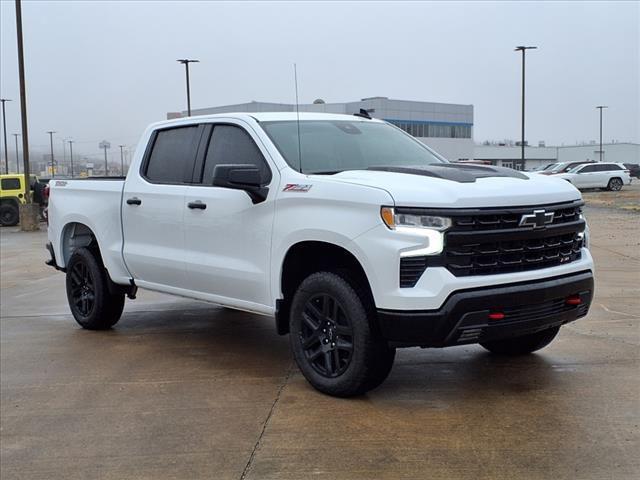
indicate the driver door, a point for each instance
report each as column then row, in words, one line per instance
column 227, row 236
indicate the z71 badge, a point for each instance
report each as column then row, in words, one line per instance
column 296, row 187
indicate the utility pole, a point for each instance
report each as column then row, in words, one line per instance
column 71, row 155
column 522, row 141
column 121, row 160
column 53, row 164
column 16, row 135
column 4, row 131
column 186, row 62
column 601, row 107
column 29, row 212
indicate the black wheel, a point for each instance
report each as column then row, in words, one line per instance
column 332, row 340
column 615, row 184
column 91, row 303
column 522, row 345
column 9, row 215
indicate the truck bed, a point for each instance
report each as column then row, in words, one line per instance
column 95, row 202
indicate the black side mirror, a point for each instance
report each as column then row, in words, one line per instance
column 241, row 177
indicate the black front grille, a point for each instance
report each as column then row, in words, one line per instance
column 491, row 241
column 476, row 257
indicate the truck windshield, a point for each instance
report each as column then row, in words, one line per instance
column 332, row 146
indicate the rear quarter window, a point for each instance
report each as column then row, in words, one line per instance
column 10, row 184
column 172, row 155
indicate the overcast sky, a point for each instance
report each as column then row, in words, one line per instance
column 104, row 70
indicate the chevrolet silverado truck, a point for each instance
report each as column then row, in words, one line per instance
column 355, row 236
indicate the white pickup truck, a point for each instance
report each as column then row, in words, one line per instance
column 358, row 238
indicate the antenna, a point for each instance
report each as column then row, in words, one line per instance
column 295, row 77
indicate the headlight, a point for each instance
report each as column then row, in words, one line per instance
column 413, row 218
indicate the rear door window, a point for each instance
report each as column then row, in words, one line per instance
column 588, row 169
column 232, row 145
column 172, row 155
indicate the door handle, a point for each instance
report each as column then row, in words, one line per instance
column 197, row 204
column 134, row 201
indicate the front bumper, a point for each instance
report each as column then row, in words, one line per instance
column 528, row 307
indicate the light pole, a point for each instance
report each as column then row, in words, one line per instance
column 104, row 145
column 186, row 62
column 53, row 165
column 71, row 155
column 121, row 160
column 16, row 135
column 64, row 151
column 4, row 131
column 601, row 107
column 523, row 49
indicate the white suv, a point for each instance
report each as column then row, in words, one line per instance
column 611, row 176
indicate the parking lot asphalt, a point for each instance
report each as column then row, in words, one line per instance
column 185, row 390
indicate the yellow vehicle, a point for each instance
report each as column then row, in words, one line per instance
column 12, row 191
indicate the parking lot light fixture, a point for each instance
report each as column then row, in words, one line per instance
column 4, row 132
column 523, row 49
column 601, row 107
column 186, row 62
column 53, row 164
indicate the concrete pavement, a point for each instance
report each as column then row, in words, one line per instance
column 184, row 390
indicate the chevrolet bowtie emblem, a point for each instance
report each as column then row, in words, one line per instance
column 537, row 219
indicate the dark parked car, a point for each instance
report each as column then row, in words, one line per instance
column 634, row 169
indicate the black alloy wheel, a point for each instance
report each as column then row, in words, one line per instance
column 333, row 336
column 83, row 293
column 93, row 304
column 326, row 335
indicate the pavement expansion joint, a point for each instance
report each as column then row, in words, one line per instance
column 245, row 471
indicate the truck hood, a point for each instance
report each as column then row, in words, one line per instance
column 463, row 186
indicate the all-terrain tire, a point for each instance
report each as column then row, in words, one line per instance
column 522, row 345
column 332, row 337
column 92, row 304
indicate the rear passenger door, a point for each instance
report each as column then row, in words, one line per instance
column 228, row 241
column 153, row 208
column 585, row 177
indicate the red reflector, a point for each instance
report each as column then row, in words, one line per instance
column 573, row 300
column 496, row 316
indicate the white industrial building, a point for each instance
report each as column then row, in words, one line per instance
column 446, row 127
column 509, row 156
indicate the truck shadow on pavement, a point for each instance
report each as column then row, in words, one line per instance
column 217, row 342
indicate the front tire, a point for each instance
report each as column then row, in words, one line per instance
column 522, row 345
column 90, row 301
column 615, row 184
column 331, row 337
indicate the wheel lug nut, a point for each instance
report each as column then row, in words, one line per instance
column 324, row 330
column 333, row 344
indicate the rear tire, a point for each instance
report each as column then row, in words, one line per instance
column 615, row 184
column 522, row 345
column 90, row 301
column 331, row 337
column 9, row 215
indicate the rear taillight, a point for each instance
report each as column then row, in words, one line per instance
column 46, row 192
